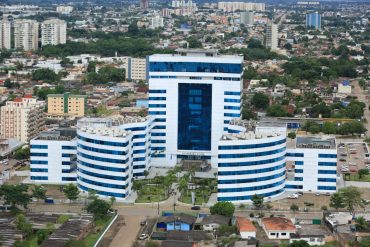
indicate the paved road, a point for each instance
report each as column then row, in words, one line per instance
column 126, row 236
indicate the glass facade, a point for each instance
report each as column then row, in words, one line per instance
column 195, row 67
column 194, row 117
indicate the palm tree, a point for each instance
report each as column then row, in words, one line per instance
column 183, row 186
column 361, row 223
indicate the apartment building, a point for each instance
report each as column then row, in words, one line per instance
column 66, row 105
column 272, row 36
column 241, row 6
column 53, row 32
column 5, row 34
column 22, row 119
column 26, row 35
column 64, row 9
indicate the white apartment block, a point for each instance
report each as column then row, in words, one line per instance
column 26, row 34
column 242, row 6
column 156, row 22
column 64, row 9
column 22, row 119
column 53, row 32
column 272, row 36
column 137, row 69
column 5, row 34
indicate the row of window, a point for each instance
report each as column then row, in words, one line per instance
column 327, row 188
column 157, row 113
column 70, row 179
column 100, row 184
column 107, row 143
column 232, row 100
column 100, row 150
column 226, row 79
column 157, row 105
column 195, row 67
column 327, row 156
column 226, row 107
column 137, row 128
column 254, row 171
column 251, row 180
column 104, row 168
column 103, row 193
column 294, row 154
column 249, row 146
column 38, row 154
column 39, row 162
column 327, row 163
column 235, row 115
column 247, row 155
column 251, row 163
column 244, row 198
column 69, row 147
column 327, row 172
column 98, row 175
column 328, row 180
column 108, row 160
column 159, row 127
column 39, row 146
column 157, row 91
column 39, row 178
column 254, row 188
column 232, row 93
column 39, row 170
column 157, row 98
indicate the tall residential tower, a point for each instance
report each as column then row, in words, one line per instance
column 26, row 34
column 53, row 32
column 5, row 34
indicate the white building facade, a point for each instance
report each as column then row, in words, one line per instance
column 26, row 35
column 5, row 34
column 192, row 97
column 53, row 32
column 272, row 36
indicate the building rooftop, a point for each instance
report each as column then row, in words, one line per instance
column 278, row 224
column 251, row 135
column 101, row 126
column 245, row 225
column 60, row 134
column 315, row 142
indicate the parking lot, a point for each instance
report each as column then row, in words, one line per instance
column 351, row 157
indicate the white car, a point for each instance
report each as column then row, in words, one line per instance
column 298, row 226
column 293, row 196
column 143, row 236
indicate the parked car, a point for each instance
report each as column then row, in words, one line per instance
column 293, row 196
column 342, row 159
column 143, row 223
column 195, row 208
column 143, row 236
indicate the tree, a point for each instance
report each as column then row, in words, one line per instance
column 294, row 207
column 329, row 128
column 23, row 225
column 300, row 243
column 276, row 110
column 194, row 42
column 8, row 83
column 260, row 100
column 292, row 135
column 314, row 129
column 22, row 153
column 46, row 75
column 365, row 242
column 361, row 223
column 336, row 201
column 98, row 208
column 223, row 208
column 248, row 113
column 257, row 201
column 351, row 198
column 362, row 172
column 362, row 83
column 39, row 192
column 71, row 191
column 15, row 194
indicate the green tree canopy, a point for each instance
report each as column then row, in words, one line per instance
column 351, row 198
column 71, row 191
column 276, row 110
column 223, row 208
column 15, row 194
column 257, row 201
column 46, row 75
column 260, row 101
column 39, row 192
column 98, row 208
column 337, row 201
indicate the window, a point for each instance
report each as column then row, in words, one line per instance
column 39, row 146
column 250, row 163
column 327, row 172
column 254, row 171
column 157, row 98
column 232, row 93
column 327, row 156
column 195, row 67
column 157, row 91
column 294, row 154
column 236, row 115
column 250, row 146
column 247, row 180
column 252, row 154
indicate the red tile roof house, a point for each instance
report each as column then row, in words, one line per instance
column 278, row 227
column 245, row 227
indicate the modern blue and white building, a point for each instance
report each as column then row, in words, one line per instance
column 53, row 157
column 312, row 165
column 192, row 96
column 313, row 21
column 251, row 160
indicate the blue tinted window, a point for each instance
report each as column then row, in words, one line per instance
column 298, row 163
column 158, row 141
column 254, row 154
column 107, row 143
column 157, row 98
column 250, row 180
column 104, row 168
column 236, row 115
column 293, row 186
column 195, row 67
column 327, row 156
column 232, row 93
column 160, row 120
column 158, row 134
column 91, row 157
column 298, row 179
column 39, row 162
column 103, row 193
column 157, row 113
column 39, row 170
column 294, row 154
column 232, row 100
column 194, row 116
column 250, row 163
column 69, row 179
column 159, row 127
column 39, row 146
column 298, row 170
column 39, row 154
column 39, row 178
column 69, row 147
column 249, row 146
column 331, row 180
column 242, row 198
column 157, row 105
column 100, row 150
column 226, row 107
column 326, row 187
column 327, row 163
column 157, row 91
column 327, row 172
column 100, row 175
column 115, row 186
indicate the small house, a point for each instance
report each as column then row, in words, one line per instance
column 178, row 222
column 245, row 227
column 278, row 227
column 213, row 222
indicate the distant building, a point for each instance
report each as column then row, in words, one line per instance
column 5, row 34
column 66, row 105
column 53, row 32
column 156, row 22
column 144, row 4
column 26, row 35
column 53, row 157
column 247, row 18
column 22, row 119
column 344, row 88
column 313, row 21
column 241, row 6
column 272, row 36
column 64, row 9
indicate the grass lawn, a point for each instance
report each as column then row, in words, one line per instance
column 63, row 218
column 151, row 193
column 355, row 177
column 24, row 168
column 199, row 197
